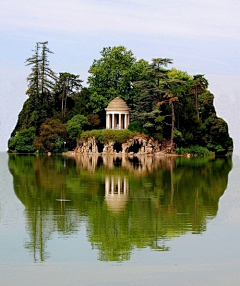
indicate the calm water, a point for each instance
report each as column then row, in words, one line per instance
column 118, row 221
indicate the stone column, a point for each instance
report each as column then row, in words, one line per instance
column 120, row 121
column 107, row 121
column 113, row 121
column 125, row 121
column 110, row 121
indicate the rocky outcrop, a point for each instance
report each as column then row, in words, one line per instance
column 136, row 145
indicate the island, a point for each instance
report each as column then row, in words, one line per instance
column 129, row 106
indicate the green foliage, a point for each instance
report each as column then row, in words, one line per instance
column 81, row 103
column 113, row 75
column 59, row 143
column 94, row 120
column 67, row 85
column 77, row 124
column 180, row 75
column 22, row 142
column 177, row 136
column 136, row 126
column 193, row 150
column 108, row 135
column 52, row 132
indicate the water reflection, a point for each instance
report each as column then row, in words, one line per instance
column 116, row 192
column 126, row 203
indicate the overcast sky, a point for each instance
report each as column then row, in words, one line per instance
column 201, row 36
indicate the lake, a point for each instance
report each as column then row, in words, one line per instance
column 114, row 220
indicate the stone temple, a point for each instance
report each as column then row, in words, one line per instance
column 117, row 114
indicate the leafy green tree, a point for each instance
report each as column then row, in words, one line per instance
column 75, row 125
column 94, row 120
column 22, row 142
column 50, row 131
column 136, row 126
column 113, row 75
column 81, row 102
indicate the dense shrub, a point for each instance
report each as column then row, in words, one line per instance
column 108, row 135
column 22, row 142
column 194, row 150
column 52, row 132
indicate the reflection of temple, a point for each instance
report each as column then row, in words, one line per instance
column 116, row 192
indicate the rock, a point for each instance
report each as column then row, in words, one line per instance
column 139, row 144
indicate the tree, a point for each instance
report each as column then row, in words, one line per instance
column 22, row 142
column 170, row 99
column 47, row 76
column 152, row 87
column 81, row 102
column 66, row 86
column 75, row 125
column 40, row 84
column 41, row 79
column 50, row 131
column 93, row 119
column 113, row 75
column 199, row 84
column 33, row 78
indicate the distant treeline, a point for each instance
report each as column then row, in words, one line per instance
column 165, row 103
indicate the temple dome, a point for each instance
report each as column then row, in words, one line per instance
column 117, row 104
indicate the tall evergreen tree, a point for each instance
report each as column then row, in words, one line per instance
column 67, row 85
column 46, row 74
column 33, row 78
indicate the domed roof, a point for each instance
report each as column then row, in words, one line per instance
column 117, row 104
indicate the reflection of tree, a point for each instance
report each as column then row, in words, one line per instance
column 40, row 184
column 156, row 199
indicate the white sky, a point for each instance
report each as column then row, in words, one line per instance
column 201, row 36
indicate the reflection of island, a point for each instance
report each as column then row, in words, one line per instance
column 127, row 203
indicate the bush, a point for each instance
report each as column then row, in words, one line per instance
column 108, row 135
column 22, row 142
column 135, row 126
column 193, row 150
column 52, row 132
column 76, row 124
